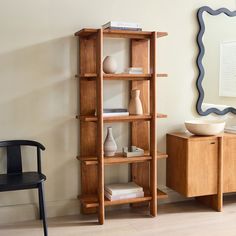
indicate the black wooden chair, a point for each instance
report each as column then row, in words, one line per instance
column 15, row 179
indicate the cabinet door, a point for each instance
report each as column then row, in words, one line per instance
column 229, row 165
column 202, row 167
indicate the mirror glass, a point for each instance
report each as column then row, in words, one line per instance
column 219, row 62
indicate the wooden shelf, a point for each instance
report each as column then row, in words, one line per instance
column 161, row 194
column 119, row 34
column 133, row 77
column 130, row 118
column 143, row 53
column 120, row 159
column 91, row 201
column 127, row 76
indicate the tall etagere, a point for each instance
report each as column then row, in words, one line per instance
column 143, row 127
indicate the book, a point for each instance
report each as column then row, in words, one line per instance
column 123, row 28
column 121, row 24
column 114, row 112
column 125, row 188
column 134, row 70
column 123, row 196
column 231, row 131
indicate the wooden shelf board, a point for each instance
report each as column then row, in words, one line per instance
column 161, row 155
column 127, row 76
column 162, row 75
column 130, row 118
column 122, row 76
column 120, row 159
column 87, row 75
column 90, row 201
column 161, row 194
column 159, row 115
column 119, row 33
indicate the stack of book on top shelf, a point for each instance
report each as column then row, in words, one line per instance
column 114, row 112
column 119, row 25
column 134, row 70
column 123, row 191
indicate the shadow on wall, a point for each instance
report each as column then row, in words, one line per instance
column 39, row 101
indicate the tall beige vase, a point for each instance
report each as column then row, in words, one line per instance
column 135, row 105
column 110, row 146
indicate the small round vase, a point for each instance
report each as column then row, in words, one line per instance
column 135, row 105
column 109, row 65
column 110, row 146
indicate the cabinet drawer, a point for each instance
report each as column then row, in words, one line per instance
column 202, row 167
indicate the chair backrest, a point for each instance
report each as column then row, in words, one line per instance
column 14, row 161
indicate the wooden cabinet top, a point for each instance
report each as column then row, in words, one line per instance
column 189, row 136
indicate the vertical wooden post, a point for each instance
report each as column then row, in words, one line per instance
column 100, row 127
column 220, row 174
column 153, row 137
column 87, row 105
column 140, row 135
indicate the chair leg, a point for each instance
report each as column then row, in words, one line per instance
column 40, row 204
column 42, row 207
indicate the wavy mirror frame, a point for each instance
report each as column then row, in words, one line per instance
column 200, row 57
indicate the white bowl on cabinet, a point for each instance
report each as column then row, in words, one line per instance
column 205, row 127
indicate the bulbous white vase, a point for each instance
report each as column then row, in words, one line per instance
column 135, row 105
column 110, row 146
column 109, row 65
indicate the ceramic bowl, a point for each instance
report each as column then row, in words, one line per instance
column 205, row 127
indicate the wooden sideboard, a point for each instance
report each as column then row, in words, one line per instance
column 203, row 167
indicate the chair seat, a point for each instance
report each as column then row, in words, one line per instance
column 19, row 181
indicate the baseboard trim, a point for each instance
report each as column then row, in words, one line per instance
column 13, row 213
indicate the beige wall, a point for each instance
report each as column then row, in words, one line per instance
column 38, row 95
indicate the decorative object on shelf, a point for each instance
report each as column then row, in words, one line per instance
column 109, row 65
column 134, row 70
column 111, row 112
column 119, row 25
column 123, row 191
column 135, row 105
column 110, row 146
column 133, row 151
column 205, row 127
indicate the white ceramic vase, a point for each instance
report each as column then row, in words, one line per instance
column 109, row 65
column 110, row 146
column 135, row 105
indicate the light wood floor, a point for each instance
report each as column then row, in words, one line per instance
column 178, row 219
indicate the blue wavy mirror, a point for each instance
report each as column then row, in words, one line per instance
column 216, row 61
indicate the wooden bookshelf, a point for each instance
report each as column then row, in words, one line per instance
column 143, row 127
